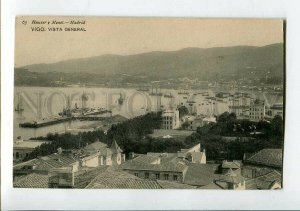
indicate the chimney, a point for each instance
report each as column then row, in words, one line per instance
column 59, row 150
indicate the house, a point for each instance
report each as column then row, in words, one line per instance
column 192, row 122
column 106, row 156
column 231, row 180
column 227, row 166
column 266, row 157
column 165, row 166
column 22, row 148
column 113, row 179
column 92, row 156
column 42, row 165
column 263, row 169
column 268, row 181
column 201, row 174
column 156, row 168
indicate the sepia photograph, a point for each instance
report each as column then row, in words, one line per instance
column 148, row 103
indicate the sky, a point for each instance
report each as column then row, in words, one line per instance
column 125, row 36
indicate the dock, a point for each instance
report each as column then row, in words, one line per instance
column 45, row 122
column 90, row 116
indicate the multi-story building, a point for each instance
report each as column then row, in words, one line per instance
column 239, row 103
column 93, row 155
column 165, row 166
column 22, row 149
column 257, row 111
column 170, row 119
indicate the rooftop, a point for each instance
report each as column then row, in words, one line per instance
column 95, row 146
column 144, row 162
column 47, row 162
column 264, row 182
column 116, row 179
column 231, row 164
column 267, row 157
column 31, row 181
column 201, row 174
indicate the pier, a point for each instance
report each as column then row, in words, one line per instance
column 90, row 116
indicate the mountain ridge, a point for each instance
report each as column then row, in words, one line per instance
column 205, row 63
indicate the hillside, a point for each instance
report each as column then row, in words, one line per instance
column 210, row 63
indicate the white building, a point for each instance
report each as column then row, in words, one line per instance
column 170, row 119
column 239, row 103
column 257, row 111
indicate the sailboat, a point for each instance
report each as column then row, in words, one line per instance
column 19, row 107
column 121, row 99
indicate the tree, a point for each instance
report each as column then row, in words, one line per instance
column 183, row 111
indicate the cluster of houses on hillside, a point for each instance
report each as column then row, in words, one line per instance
column 99, row 166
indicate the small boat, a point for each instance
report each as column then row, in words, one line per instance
column 121, row 99
column 183, row 93
column 168, row 96
column 19, row 107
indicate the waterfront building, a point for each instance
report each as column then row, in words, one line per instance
column 170, row 119
column 257, row 111
column 239, row 103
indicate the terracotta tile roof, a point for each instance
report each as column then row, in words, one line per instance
column 58, row 160
column 265, row 181
column 31, row 181
column 115, row 179
column 85, row 176
column 200, row 174
column 47, row 162
column 38, row 163
column 147, row 159
column 164, row 157
column 165, row 166
column 267, row 157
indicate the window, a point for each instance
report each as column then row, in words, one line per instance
column 166, row 176
column 175, row 177
column 146, row 175
column 17, row 154
column 156, row 176
column 136, row 174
